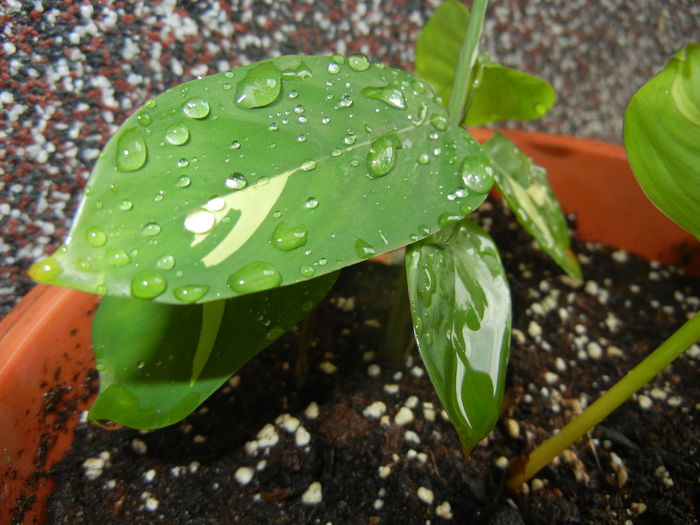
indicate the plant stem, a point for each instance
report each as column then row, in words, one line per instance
column 675, row 345
column 465, row 66
column 398, row 334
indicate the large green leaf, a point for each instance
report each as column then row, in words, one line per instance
column 267, row 175
column 528, row 193
column 499, row 93
column 461, row 309
column 158, row 362
column 662, row 138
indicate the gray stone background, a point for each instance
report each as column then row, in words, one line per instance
column 71, row 71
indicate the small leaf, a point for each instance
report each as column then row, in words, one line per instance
column 158, row 362
column 528, row 193
column 265, row 176
column 499, row 93
column 662, row 138
column 461, row 309
column 503, row 93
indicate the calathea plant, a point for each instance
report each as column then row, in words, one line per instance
column 219, row 214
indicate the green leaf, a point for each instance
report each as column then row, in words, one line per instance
column 525, row 188
column 499, row 93
column 158, row 362
column 461, row 309
column 503, row 93
column 267, row 175
column 662, row 138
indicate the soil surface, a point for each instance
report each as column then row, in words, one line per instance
column 349, row 440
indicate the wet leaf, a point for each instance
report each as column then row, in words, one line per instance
column 662, row 138
column 158, row 362
column 265, row 176
column 525, row 188
column 499, row 93
column 461, row 309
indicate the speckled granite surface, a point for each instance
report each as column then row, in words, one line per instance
column 71, row 71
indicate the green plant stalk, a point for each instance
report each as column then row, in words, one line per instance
column 398, row 334
column 669, row 350
column 396, row 342
column 461, row 86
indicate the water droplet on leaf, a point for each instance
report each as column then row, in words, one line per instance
column 126, row 205
column 190, row 293
column 389, row 95
column 147, row 284
column 288, row 238
column 261, row 86
column 333, row 68
column 131, row 151
column 151, row 229
column 311, row 202
column 439, row 122
column 358, row 62
column 45, row 270
column 177, row 135
column 237, row 181
column 184, row 181
column 196, row 108
column 166, row 262
column 255, row 277
column 308, row 165
column 117, row 257
column 476, row 174
column 96, row 237
column 364, row 250
column 307, row 270
column 382, row 155
column 200, row 221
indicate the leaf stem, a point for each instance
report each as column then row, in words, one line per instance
column 462, row 84
column 669, row 350
column 398, row 335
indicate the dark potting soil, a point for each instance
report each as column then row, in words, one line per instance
column 348, row 440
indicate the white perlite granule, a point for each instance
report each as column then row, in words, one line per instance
column 313, row 494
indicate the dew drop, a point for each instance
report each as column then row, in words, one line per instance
column 345, row 101
column 96, row 237
column 358, row 62
column 45, row 270
column 255, row 277
column 177, row 135
column 166, row 262
column 117, row 257
column 126, row 205
column 131, row 151
column 287, row 238
column 477, row 175
column 183, row 163
column 325, row 120
column 307, row 270
column 439, row 122
column 275, row 333
column 299, row 109
column 140, row 364
column 540, row 108
column 350, row 139
column 364, row 250
column 419, row 86
column 423, row 158
column 235, row 144
column 236, row 181
column 333, row 68
column 215, row 204
column 447, row 218
column 311, row 202
column 184, row 181
column 101, row 289
column 151, row 229
column 190, row 293
column 382, row 155
column 293, row 94
column 308, row 165
column 260, row 87
column 147, row 284
column 389, row 95
column 301, row 138
column 144, row 119
column 200, row 221
column 196, row 108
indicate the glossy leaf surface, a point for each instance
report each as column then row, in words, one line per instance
column 525, row 188
column 662, row 138
column 499, row 93
column 461, row 309
column 158, row 362
column 267, row 175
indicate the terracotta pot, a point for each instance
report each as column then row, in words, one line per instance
column 45, row 342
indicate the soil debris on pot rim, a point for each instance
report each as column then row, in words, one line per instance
column 358, row 442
